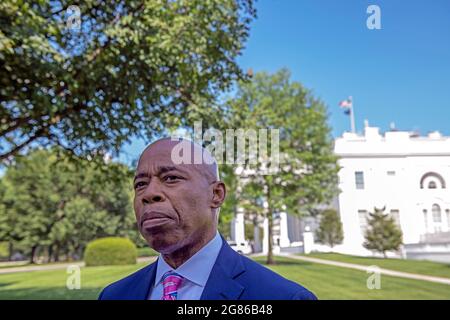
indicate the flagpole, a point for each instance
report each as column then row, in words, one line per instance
column 352, row 117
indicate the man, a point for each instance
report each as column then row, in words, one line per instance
column 177, row 205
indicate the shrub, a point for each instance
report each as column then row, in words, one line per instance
column 382, row 234
column 110, row 251
column 4, row 250
column 330, row 228
column 147, row 252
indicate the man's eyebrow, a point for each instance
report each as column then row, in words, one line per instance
column 161, row 170
column 140, row 175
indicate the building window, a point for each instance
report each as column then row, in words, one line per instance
column 432, row 185
column 436, row 212
column 363, row 217
column 437, row 218
column 359, row 180
column 429, row 177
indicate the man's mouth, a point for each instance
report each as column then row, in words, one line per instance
column 154, row 219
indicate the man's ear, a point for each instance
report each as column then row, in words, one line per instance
column 219, row 194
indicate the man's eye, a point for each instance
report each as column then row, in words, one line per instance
column 139, row 184
column 171, row 178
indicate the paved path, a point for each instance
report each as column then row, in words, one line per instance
column 10, row 264
column 387, row 272
column 303, row 258
column 55, row 266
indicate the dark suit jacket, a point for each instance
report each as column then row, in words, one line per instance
column 233, row 277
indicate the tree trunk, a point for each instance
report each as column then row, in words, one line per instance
column 10, row 250
column 50, row 253
column 33, row 253
column 56, row 253
column 68, row 257
column 270, row 259
column 384, row 254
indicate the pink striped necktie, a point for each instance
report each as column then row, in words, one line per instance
column 171, row 283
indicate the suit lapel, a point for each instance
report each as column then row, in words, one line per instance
column 141, row 285
column 221, row 283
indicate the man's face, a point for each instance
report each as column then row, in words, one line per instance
column 172, row 202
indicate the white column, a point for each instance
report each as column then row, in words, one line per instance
column 308, row 240
column 445, row 222
column 233, row 229
column 284, row 237
column 239, row 227
column 257, row 237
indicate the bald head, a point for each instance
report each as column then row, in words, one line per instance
column 188, row 153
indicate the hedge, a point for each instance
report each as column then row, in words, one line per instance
column 110, row 251
column 147, row 252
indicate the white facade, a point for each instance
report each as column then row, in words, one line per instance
column 405, row 173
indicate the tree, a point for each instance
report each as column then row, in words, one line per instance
column 382, row 234
column 330, row 228
column 52, row 202
column 89, row 77
column 32, row 202
column 306, row 174
column 229, row 207
column 4, row 227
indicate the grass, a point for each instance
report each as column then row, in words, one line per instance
column 327, row 282
column 412, row 266
column 51, row 284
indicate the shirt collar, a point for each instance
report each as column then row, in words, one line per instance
column 198, row 267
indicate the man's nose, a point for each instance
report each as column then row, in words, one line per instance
column 153, row 193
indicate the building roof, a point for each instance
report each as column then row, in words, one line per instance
column 391, row 143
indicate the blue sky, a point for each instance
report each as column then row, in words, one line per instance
column 398, row 74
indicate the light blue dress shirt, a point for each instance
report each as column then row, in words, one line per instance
column 195, row 272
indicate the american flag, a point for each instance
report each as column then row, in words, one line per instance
column 347, row 103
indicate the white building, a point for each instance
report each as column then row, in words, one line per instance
column 403, row 172
column 407, row 174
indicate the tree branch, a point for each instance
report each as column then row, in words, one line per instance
column 18, row 122
column 39, row 133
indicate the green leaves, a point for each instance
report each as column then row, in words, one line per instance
column 307, row 175
column 48, row 199
column 148, row 59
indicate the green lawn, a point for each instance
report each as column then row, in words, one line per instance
column 51, row 284
column 412, row 266
column 327, row 282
